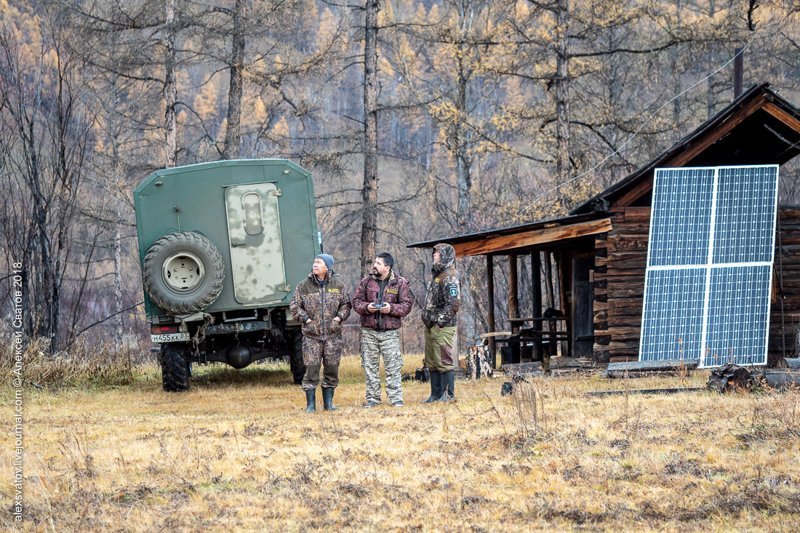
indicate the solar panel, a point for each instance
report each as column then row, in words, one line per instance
column 709, row 265
column 673, row 293
column 738, row 315
column 681, row 232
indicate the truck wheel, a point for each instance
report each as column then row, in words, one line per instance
column 174, row 367
column 183, row 272
column 296, row 358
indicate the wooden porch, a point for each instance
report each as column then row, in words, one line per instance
column 560, row 253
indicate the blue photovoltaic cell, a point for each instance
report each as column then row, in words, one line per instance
column 738, row 314
column 672, row 294
column 709, row 265
column 745, row 214
column 680, row 233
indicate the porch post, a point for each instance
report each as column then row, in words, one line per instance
column 536, row 275
column 490, row 291
column 513, row 305
column 513, row 292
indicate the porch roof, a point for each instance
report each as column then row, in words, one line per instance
column 530, row 236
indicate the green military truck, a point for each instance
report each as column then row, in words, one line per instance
column 222, row 246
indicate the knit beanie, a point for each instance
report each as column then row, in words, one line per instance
column 327, row 259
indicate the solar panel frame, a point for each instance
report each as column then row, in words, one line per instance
column 736, row 247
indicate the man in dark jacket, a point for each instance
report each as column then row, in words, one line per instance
column 442, row 300
column 382, row 299
column 321, row 302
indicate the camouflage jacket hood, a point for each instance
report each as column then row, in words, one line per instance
column 447, row 260
column 443, row 295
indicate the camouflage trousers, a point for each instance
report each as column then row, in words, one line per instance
column 321, row 353
column 440, row 348
column 375, row 344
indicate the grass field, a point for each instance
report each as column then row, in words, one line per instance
column 238, row 452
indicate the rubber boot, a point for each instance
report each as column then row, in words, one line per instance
column 311, row 401
column 327, row 399
column 448, row 386
column 436, row 387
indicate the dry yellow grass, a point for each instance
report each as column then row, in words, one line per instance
column 238, row 452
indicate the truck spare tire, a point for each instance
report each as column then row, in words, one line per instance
column 183, row 272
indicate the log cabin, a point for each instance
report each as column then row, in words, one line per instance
column 596, row 255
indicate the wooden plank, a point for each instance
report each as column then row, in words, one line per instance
column 631, row 344
column 627, row 227
column 502, row 243
column 625, row 255
column 619, row 307
column 638, row 263
column 793, row 363
column 621, row 293
column 625, row 321
column 650, row 366
column 626, row 241
column 521, row 368
column 788, row 119
column 636, row 213
column 675, row 390
column 632, row 339
column 493, row 334
column 632, row 276
column 630, row 332
column 625, row 283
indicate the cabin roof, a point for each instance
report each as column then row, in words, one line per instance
column 759, row 127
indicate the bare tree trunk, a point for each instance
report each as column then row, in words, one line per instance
column 463, row 177
column 562, row 92
column 369, row 222
column 710, row 98
column 461, row 135
column 69, row 143
column 676, row 73
column 233, row 133
column 170, row 88
column 117, row 244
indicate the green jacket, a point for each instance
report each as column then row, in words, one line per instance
column 321, row 302
column 443, row 296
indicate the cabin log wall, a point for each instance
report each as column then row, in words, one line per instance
column 619, row 285
column 785, row 286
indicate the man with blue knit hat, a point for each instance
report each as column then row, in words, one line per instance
column 321, row 303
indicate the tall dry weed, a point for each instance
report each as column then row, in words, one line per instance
column 84, row 363
column 529, row 407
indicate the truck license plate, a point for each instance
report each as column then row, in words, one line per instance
column 170, row 337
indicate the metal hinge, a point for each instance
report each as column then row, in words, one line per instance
column 284, row 288
column 276, row 192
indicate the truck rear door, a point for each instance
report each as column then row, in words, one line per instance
column 254, row 230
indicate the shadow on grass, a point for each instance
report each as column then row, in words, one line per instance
column 257, row 375
column 266, row 374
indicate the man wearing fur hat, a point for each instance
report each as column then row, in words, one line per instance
column 442, row 300
column 321, row 303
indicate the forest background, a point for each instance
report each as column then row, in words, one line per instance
column 418, row 119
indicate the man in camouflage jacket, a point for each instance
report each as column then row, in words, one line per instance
column 321, row 303
column 442, row 300
column 382, row 299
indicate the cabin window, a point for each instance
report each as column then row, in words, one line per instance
column 251, row 203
